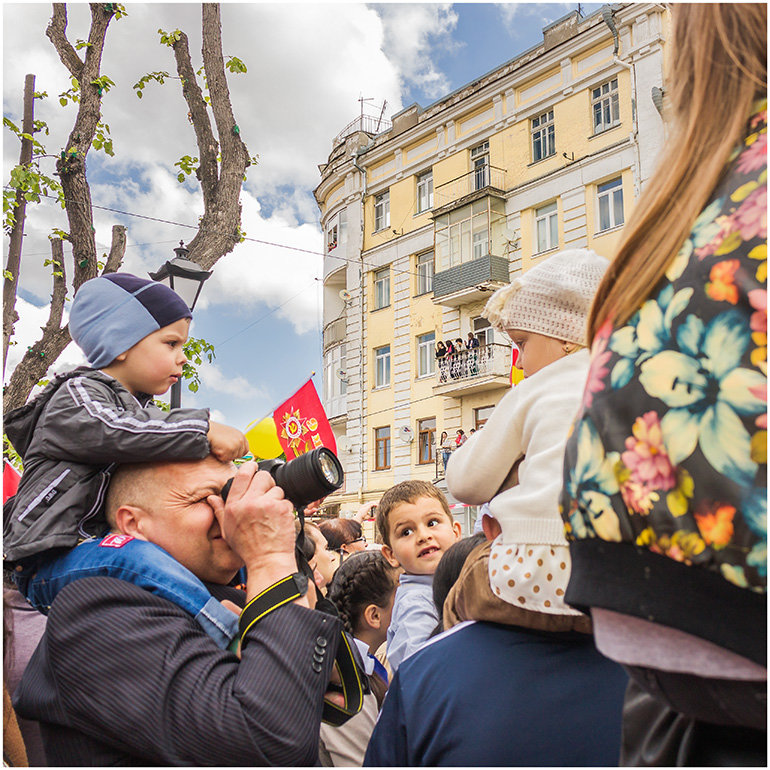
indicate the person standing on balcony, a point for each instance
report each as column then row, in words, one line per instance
column 462, row 360
column 461, row 438
column 472, row 344
column 442, row 361
column 451, row 358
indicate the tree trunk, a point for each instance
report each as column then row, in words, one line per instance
column 72, row 163
column 48, row 348
column 11, row 282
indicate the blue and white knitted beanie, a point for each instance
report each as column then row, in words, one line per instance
column 111, row 313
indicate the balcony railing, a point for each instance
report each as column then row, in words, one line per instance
column 334, row 333
column 478, row 179
column 479, row 362
column 366, row 123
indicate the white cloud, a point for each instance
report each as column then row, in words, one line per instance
column 411, row 31
column 214, row 378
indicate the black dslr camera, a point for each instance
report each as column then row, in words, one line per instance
column 308, row 477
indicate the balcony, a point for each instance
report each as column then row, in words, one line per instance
column 486, row 180
column 469, row 240
column 334, row 333
column 470, row 281
column 473, row 371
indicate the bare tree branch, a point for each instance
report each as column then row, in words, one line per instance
column 117, row 250
column 59, row 293
column 219, row 229
column 13, row 265
column 208, row 148
column 71, row 166
column 57, row 32
column 48, row 348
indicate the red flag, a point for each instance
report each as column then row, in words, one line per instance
column 302, row 424
column 10, row 480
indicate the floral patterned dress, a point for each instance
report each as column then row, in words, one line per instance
column 669, row 450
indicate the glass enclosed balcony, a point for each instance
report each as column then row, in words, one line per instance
column 469, row 247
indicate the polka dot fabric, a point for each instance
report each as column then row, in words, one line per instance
column 533, row 577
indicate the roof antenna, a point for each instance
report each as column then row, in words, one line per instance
column 379, row 120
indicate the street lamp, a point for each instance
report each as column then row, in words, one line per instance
column 186, row 278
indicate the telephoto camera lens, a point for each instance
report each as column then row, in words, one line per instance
column 308, row 477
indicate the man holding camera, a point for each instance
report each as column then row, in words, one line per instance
column 123, row 676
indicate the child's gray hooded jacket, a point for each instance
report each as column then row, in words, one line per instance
column 70, row 437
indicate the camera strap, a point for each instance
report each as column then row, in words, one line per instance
column 354, row 682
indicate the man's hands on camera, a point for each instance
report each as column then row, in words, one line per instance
column 257, row 522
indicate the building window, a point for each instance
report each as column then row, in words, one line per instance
column 425, row 272
column 426, row 354
column 481, row 415
column 480, row 163
column 610, row 204
column 382, row 211
column 604, row 106
column 382, row 448
column 426, row 442
column 424, row 191
column 546, row 228
column 382, row 366
column 483, row 331
column 331, row 238
column 381, row 288
column 336, row 230
column 335, row 380
column 543, row 136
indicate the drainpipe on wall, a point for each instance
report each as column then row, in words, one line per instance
column 361, row 287
column 609, row 20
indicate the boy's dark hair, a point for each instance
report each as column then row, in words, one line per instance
column 339, row 532
column 448, row 570
column 362, row 579
column 406, row 492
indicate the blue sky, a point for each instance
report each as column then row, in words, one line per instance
column 307, row 67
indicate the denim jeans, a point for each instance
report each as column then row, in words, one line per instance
column 136, row 561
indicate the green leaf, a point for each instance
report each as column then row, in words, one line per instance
column 234, row 64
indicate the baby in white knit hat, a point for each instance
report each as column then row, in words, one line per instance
column 515, row 461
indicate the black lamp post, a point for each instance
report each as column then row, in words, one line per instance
column 186, row 278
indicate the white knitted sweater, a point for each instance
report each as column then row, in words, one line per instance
column 531, row 421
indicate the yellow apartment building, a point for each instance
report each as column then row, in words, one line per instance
column 427, row 214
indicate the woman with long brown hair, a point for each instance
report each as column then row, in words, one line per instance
column 665, row 475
